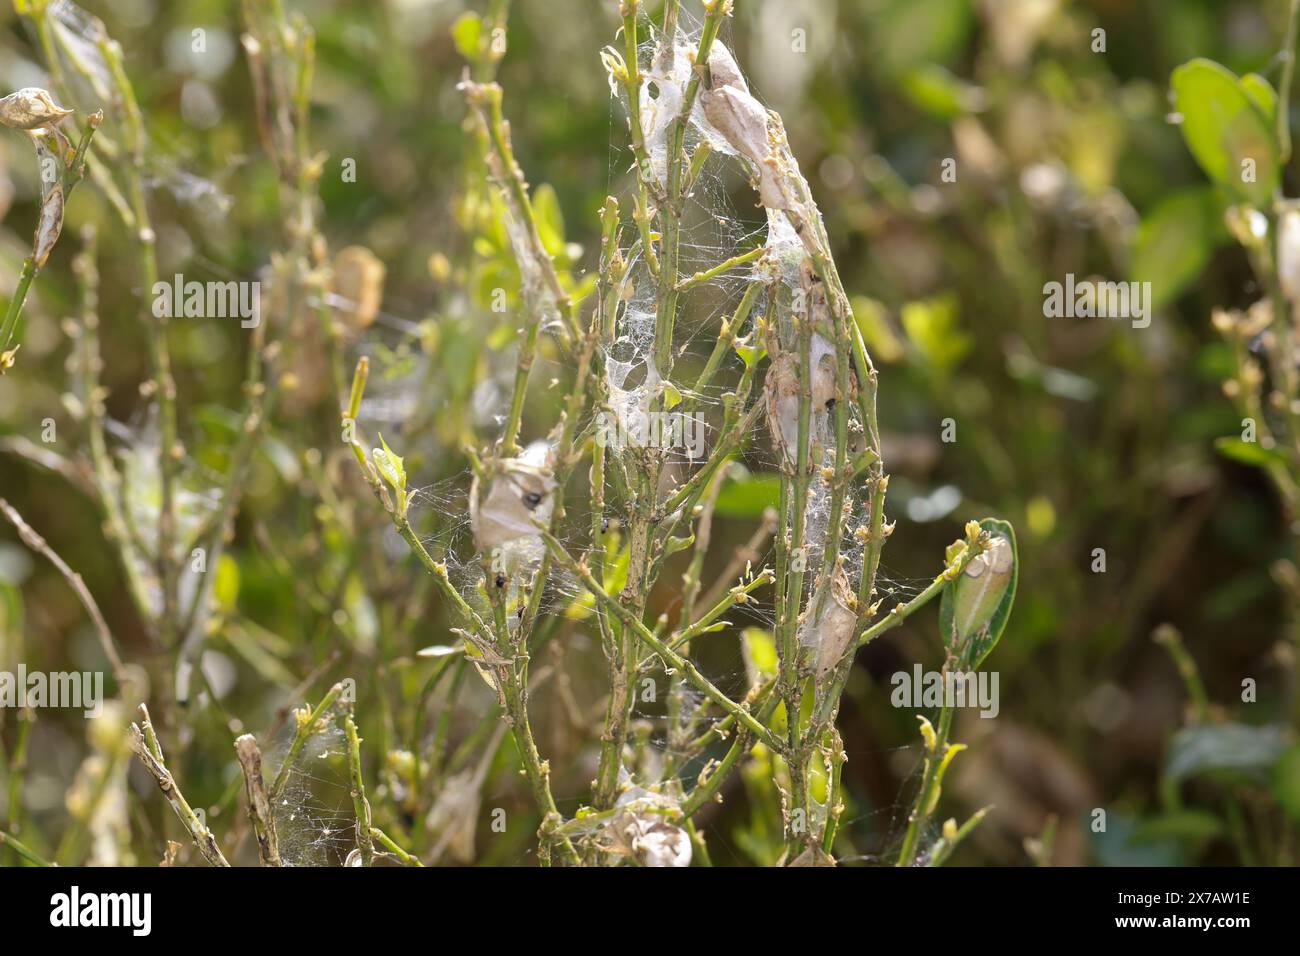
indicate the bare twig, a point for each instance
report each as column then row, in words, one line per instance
column 259, row 805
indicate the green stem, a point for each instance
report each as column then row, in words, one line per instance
column 737, row 595
column 537, row 770
column 824, row 711
column 15, row 309
column 1284, row 89
column 949, row 842
column 24, row 851
column 709, row 275
column 360, row 805
column 708, row 788
column 834, row 801
column 384, row 840
column 671, row 213
column 669, row 656
column 144, row 742
column 1168, row 637
column 727, row 333
column 936, row 753
column 302, row 732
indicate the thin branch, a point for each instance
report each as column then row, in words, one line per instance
column 384, row 840
column 307, row 723
column 145, row 745
column 24, row 851
column 709, row 275
column 37, row 544
column 670, row 657
column 360, row 804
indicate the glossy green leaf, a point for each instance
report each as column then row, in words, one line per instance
column 1262, row 94
column 974, row 608
column 751, row 355
column 1226, row 130
column 676, row 544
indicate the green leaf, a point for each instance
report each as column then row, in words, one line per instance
column 672, row 397
column 1263, row 95
column 673, row 545
column 1175, row 241
column 615, row 578
column 460, row 356
column 1229, row 752
column 466, row 34
column 392, row 469
column 974, row 608
column 751, row 355
column 550, row 218
column 749, row 497
column 758, row 648
column 1226, row 130
column 1249, row 452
